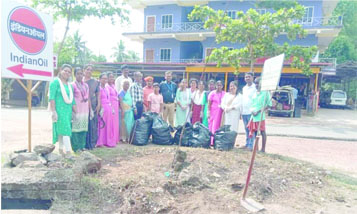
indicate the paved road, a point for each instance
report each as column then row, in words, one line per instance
column 336, row 154
column 335, row 124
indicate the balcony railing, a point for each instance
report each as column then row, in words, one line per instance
column 176, row 27
column 198, row 26
column 335, row 21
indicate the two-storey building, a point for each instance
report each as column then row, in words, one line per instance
column 168, row 35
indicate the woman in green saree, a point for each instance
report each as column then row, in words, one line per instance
column 127, row 117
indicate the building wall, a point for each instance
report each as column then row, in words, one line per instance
column 157, row 44
column 180, row 13
column 181, row 50
column 160, row 10
column 190, row 50
column 184, row 13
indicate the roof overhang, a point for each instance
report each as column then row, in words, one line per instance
column 181, row 36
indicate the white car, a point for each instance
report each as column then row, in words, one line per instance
column 338, row 98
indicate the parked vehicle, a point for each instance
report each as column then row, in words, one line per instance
column 283, row 102
column 325, row 98
column 338, row 98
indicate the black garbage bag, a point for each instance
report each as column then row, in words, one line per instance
column 187, row 134
column 201, row 136
column 224, row 138
column 161, row 132
column 142, row 130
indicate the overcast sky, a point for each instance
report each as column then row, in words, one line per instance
column 100, row 35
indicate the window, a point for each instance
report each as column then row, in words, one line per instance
column 261, row 11
column 165, row 55
column 232, row 14
column 309, row 12
column 166, row 22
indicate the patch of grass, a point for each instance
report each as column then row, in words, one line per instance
column 4, row 158
column 96, row 197
column 111, row 153
column 281, row 157
column 343, row 179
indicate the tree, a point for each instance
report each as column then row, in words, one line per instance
column 77, row 10
column 6, row 88
column 348, row 10
column 119, row 52
column 97, row 58
column 276, row 5
column 342, row 48
column 258, row 33
column 68, row 53
column 80, row 47
column 133, row 56
column 120, row 55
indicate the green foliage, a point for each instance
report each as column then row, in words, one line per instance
column 75, row 52
column 276, row 5
column 98, row 58
column 77, row 10
column 348, row 9
column 258, row 33
column 6, row 88
column 68, row 53
column 341, row 48
column 120, row 54
column 344, row 47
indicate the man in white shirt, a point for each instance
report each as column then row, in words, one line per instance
column 125, row 76
column 248, row 92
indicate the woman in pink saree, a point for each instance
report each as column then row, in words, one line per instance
column 105, row 117
column 114, row 101
column 214, row 108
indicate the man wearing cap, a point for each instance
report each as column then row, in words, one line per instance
column 125, row 76
column 148, row 89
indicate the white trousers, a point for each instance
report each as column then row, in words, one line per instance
column 66, row 142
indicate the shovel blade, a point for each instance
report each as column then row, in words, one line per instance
column 251, row 205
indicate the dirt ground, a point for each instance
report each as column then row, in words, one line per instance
column 141, row 180
column 339, row 155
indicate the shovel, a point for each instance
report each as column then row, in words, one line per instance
column 249, row 203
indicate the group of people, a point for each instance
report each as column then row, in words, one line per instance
column 90, row 113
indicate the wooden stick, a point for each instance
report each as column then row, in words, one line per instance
column 36, row 85
column 250, row 167
column 22, row 85
column 254, row 149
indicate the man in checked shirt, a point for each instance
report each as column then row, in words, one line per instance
column 136, row 92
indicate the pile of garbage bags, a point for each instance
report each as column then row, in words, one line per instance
column 197, row 135
column 224, row 138
column 151, row 124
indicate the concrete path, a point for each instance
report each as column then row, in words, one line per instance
column 333, row 124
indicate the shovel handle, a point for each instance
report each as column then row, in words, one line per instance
column 250, row 167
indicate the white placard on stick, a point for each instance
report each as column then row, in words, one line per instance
column 272, row 72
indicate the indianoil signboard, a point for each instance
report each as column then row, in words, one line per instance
column 27, row 46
